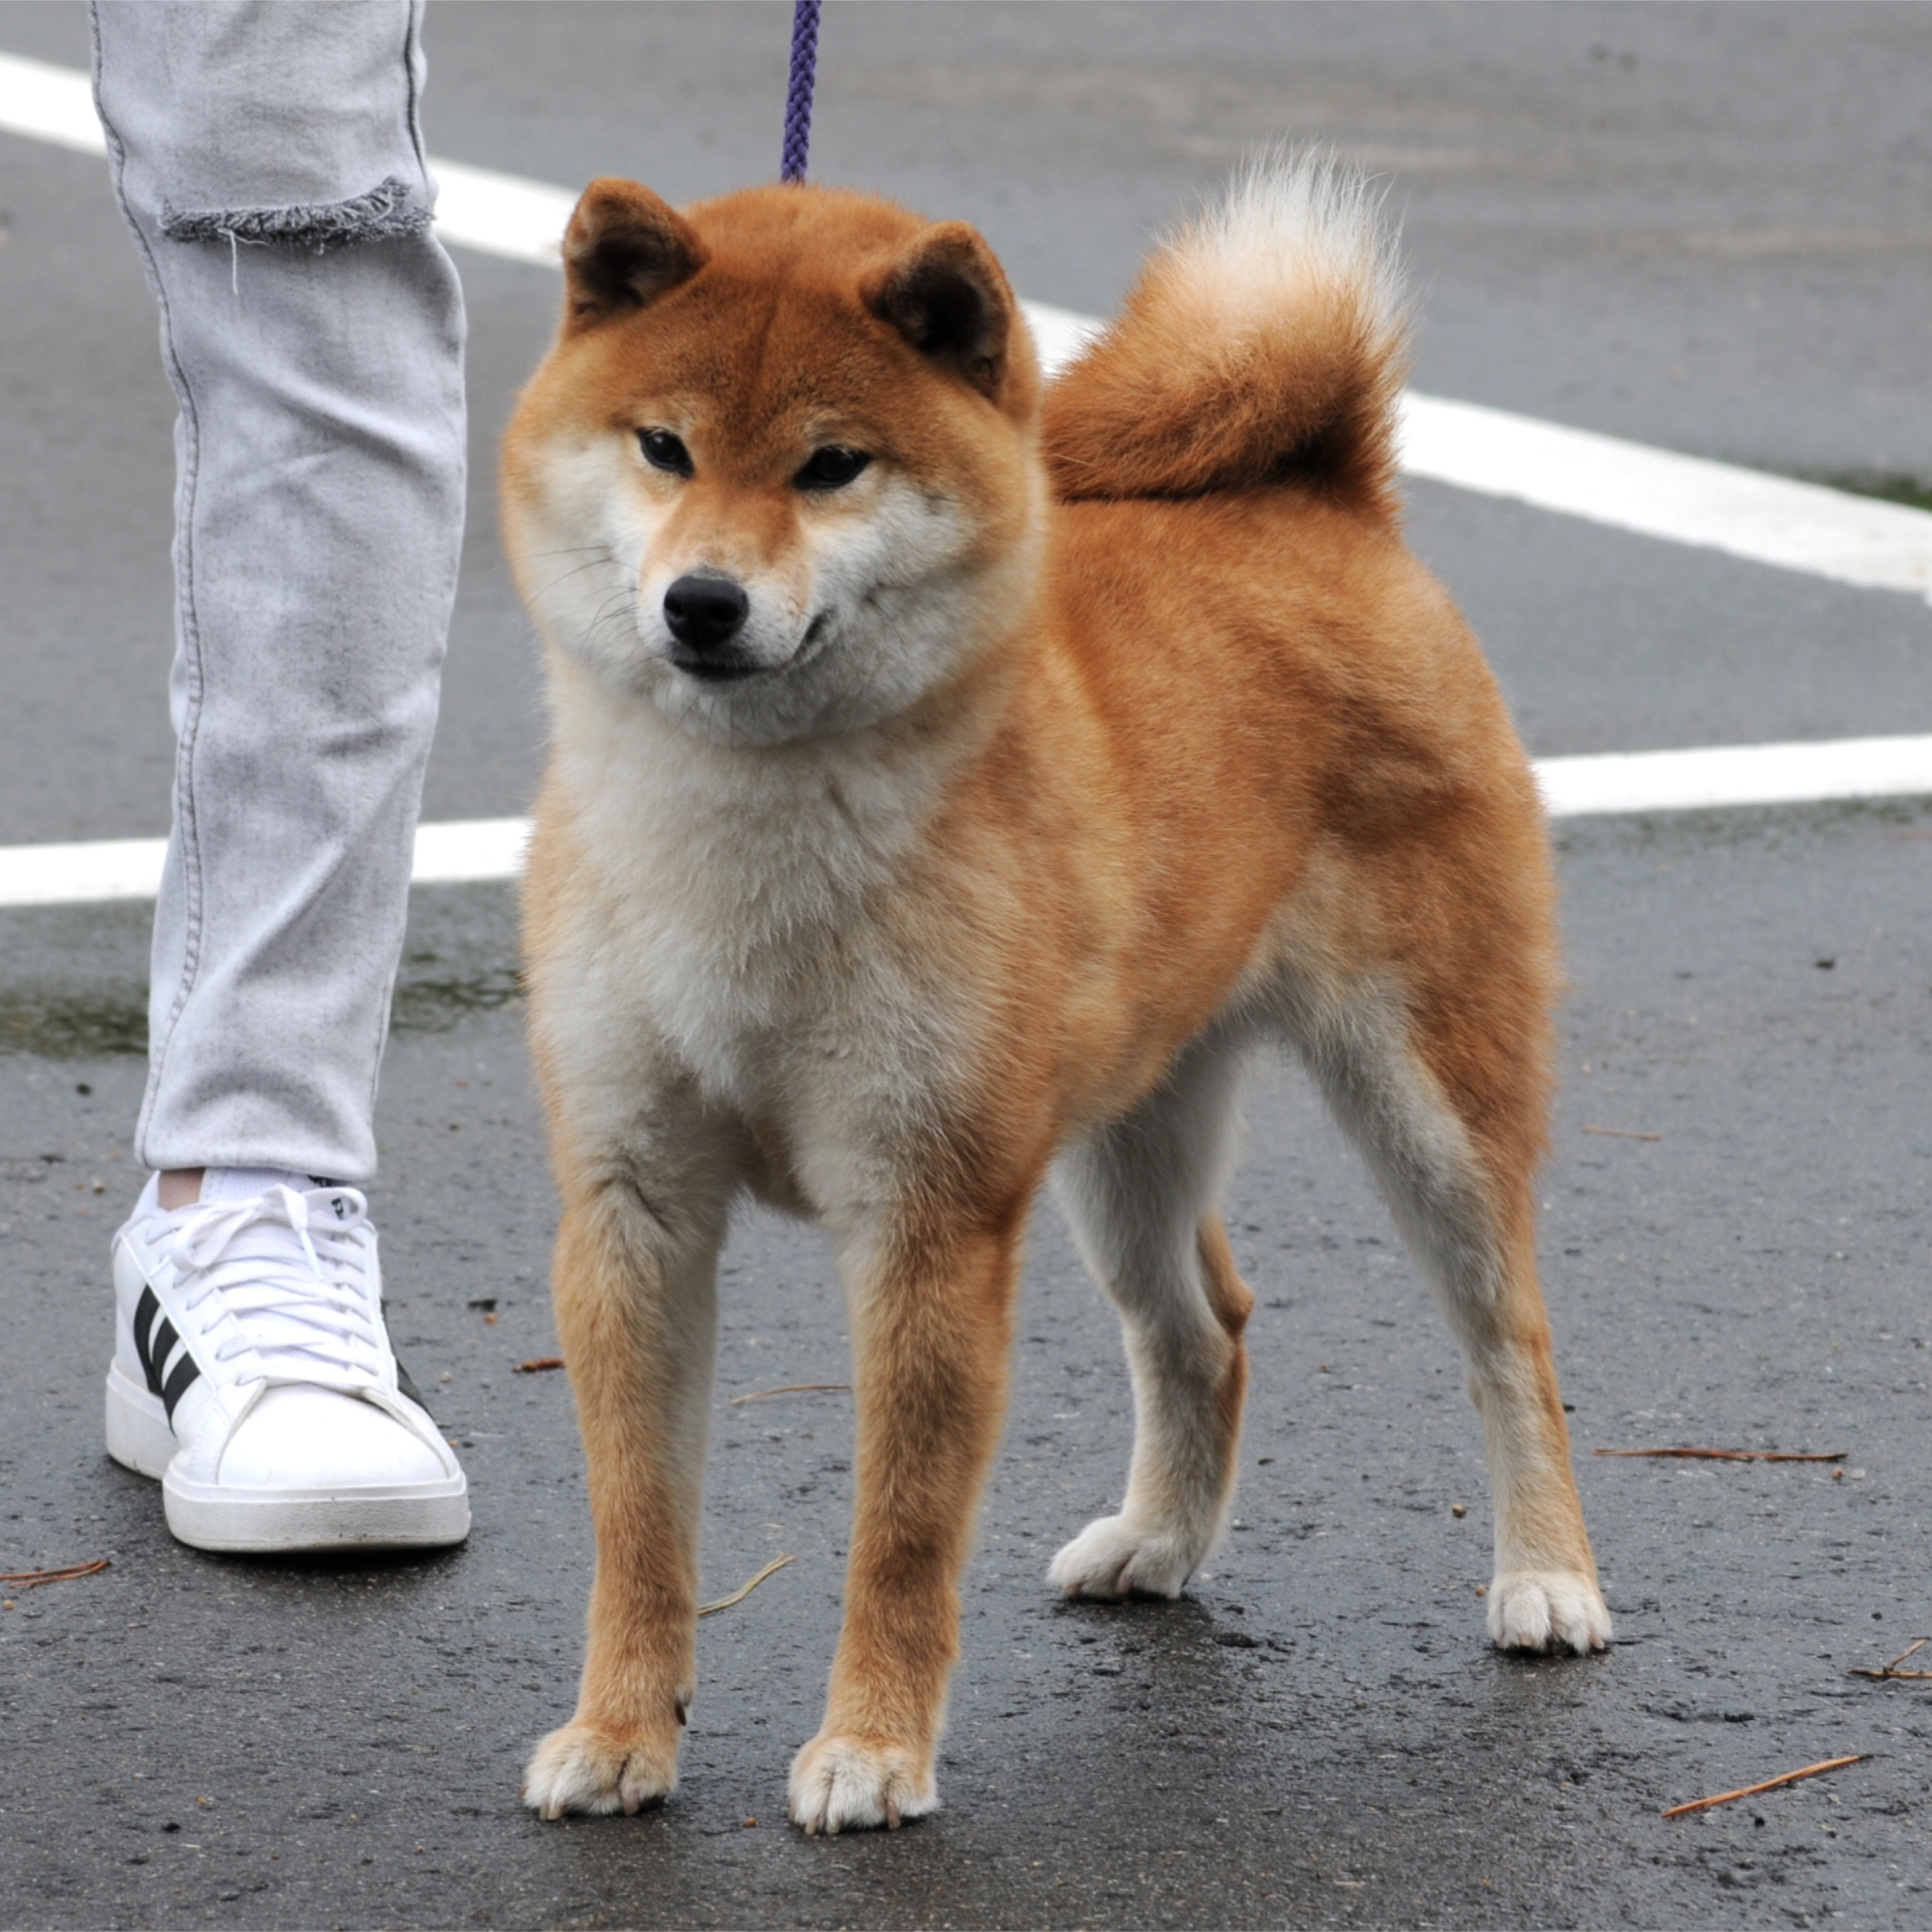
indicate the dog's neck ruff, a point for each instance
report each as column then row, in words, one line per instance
column 741, row 848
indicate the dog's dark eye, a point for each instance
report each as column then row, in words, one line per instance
column 831, row 468
column 665, row 451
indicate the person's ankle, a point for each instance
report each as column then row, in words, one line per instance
column 179, row 1188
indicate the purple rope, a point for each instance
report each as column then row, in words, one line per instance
column 798, row 98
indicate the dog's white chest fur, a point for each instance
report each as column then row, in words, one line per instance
column 738, row 921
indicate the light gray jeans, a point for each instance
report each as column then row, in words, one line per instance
column 268, row 157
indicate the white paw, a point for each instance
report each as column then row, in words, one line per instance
column 1548, row 1610
column 1113, row 1556
column 843, row 1783
column 583, row 1768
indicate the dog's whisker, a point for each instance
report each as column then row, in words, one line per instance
column 568, row 575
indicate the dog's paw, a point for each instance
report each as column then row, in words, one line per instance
column 584, row 1767
column 1548, row 1610
column 840, row 1783
column 1113, row 1556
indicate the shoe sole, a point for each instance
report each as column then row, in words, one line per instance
column 279, row 1522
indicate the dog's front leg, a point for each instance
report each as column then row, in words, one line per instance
column 635, row 1308
column 932, row 1331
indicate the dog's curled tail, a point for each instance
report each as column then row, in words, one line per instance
column 1265, row 344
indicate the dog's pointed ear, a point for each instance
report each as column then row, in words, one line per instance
column 948, row 297
column 624, row 247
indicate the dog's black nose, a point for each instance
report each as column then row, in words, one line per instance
column 705, row 614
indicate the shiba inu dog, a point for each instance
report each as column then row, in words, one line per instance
column 955, row 778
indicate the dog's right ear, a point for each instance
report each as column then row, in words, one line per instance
column 624, row 247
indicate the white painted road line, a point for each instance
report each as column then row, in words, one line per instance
column 49, row 103
column 453, row 853
column 1615, row 783
column 501, row 215
column 1657, row 493
column 69, row 875
column 1629, row 486
column 1736, row 775
column 461, row 850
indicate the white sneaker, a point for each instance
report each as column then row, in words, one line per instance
column 253, row 1374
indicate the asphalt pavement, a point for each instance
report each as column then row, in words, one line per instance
column 1701, row 226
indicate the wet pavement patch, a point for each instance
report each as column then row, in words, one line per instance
column 73, row 979
column 1890, row 486
column 427, row 1003
column 61, row 1026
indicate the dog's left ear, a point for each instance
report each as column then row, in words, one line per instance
column 948, row 296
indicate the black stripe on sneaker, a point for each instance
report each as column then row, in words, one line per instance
column 186, row 1374
column 404, row 1385
column 161, row 1346
column 154, row 1341
column 148, row 1312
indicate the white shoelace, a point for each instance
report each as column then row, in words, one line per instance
column 289, row 1273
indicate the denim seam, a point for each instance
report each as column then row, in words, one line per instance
column 185, row 815
column 412, row 31
column 412, row 40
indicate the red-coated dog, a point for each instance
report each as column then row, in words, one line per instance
column 952, row 778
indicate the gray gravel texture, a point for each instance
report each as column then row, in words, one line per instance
column 1701, row 226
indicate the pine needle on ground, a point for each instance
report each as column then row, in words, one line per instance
column 745, row 1590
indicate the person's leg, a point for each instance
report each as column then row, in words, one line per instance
column 268, row 159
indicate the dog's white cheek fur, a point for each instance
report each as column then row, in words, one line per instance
column 579, row 537
column 899, row 598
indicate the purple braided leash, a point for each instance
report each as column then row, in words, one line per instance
column 798, row 98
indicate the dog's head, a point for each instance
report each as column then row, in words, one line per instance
column 778, row 476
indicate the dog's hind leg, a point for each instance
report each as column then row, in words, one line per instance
column 634, row 1280
column 1141, row 1195
column 1441, row 1084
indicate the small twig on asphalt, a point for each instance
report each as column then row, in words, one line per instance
column 1892, row 1669
column 1770, row 1784
column 32, row 1579
column 1731, row 1455
column 793, row 1388
column 1622, row 1134
column 539, row 1362
column 745, row 1590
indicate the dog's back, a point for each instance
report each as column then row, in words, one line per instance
column 1251, row 698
